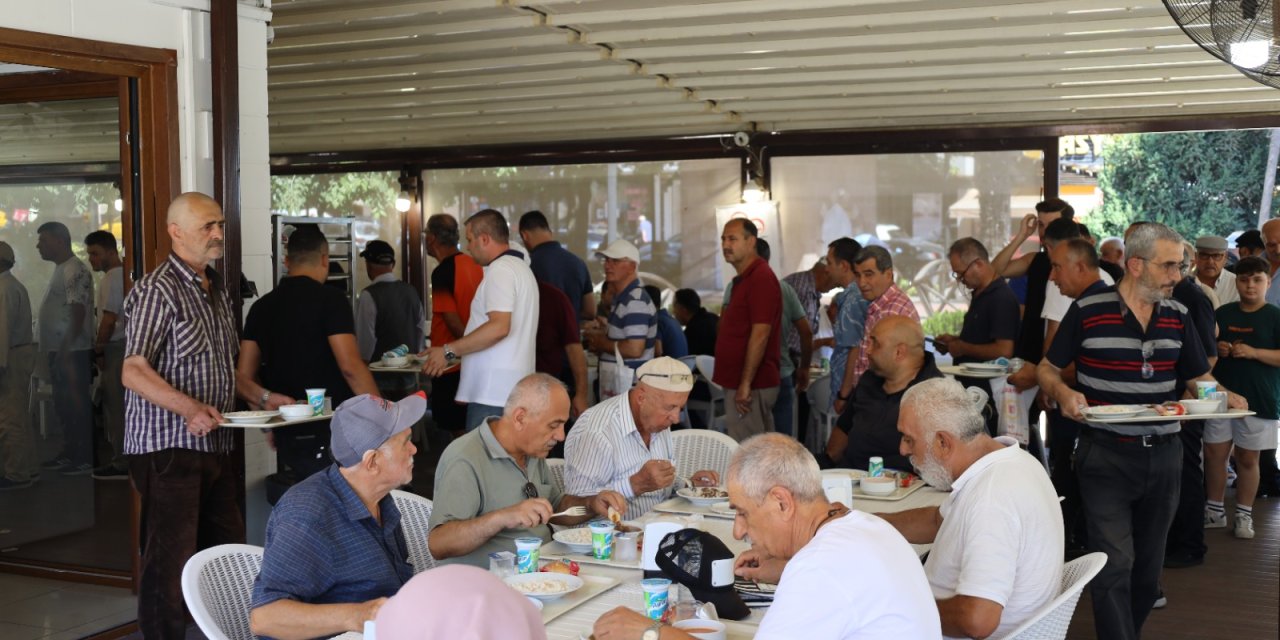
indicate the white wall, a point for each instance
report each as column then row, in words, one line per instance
column 183, row 26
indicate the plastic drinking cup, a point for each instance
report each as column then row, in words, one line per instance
column 624, row 546
column 315, row 398
column 527, row 554
column 655, row 597
column 1204, row 390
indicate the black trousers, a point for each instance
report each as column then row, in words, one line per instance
column 1063, row 433
column 1186, row 534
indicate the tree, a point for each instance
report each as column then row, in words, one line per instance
column 1198, row 183
column 337, row 194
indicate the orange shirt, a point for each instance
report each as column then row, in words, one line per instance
column 453, row 286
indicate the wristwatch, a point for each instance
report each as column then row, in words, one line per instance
column 653, row 631
column 450, row 356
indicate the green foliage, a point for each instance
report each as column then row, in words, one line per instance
column 948, row 322
column 338, row 194
column 1198, row 183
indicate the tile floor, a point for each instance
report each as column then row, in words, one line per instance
column 41, row 609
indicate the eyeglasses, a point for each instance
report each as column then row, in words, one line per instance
column 1211, row 256
column 1169, row 267
column 1148, row 350
column 960, row 276
column 678, row 378
column 530, row 491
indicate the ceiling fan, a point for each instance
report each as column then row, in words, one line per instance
column 1238, row 32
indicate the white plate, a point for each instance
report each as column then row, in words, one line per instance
column 574, row 539
column 694, row 495
column 1114, row 411
column 544, row 586
column 250, row 417
column 385, row 367
column 985, row 367
column 856, row 475
column 723, row 508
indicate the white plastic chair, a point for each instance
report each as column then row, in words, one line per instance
column 415, row 513
column 819, row 394
column 217, row 584
column 1052, row 620
column 706, row 367
column 699, row 449
column 557, row 472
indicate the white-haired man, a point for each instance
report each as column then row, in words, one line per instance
column 841, row 574
column 997, row 539
column 493, row 485
column 624, row 443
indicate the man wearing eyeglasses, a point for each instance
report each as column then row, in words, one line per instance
column 991, row 323
column 1211, row 258
column 624, row 443
column 1130, row 344
column 493, row 484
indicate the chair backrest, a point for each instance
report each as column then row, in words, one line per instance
column 820, row 394
column 698, row 449
column 217, row 584
column 706, row 366
column 415, row 512
column 557, row 471
column 1052, row 620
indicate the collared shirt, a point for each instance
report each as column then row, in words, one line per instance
column 992, row 316
column 604, row 449
column 893, row 302
column 476, row 476
column 324, row 547
column 553, row 264
column 1225, row 288
column 70, row 284
column 847, row 332
column 806, row 290
column 758, row 301
column 792, row 312
column 189, row 338
column 1103, row 338
column 15, row 316
column 632, row 317
column 871, row 420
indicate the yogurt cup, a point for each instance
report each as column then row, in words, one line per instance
column 527, row 550
column 655, row 596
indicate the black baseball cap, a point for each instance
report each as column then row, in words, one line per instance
column 701, row 562
column 379, row 252
column 1251, row 239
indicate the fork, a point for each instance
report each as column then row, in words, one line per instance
column 572, row 512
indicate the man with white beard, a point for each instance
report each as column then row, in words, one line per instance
column 997, row 539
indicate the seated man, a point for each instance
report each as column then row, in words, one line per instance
column 869, row 424
column 493, row 484
column 997, row 539
column 335, row 550
column 841, row 574
column 624, row 443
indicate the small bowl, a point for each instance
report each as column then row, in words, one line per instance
column 1199, row 407
column 395, row 361
column 880, row 486
column 295, row 411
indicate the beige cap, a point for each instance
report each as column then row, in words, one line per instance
column 667, row 374
column 620, row 250
column 6, row 252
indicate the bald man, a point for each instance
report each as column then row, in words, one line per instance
column 179, row 376
column 869, row 424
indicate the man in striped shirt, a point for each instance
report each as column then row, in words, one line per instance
column 179, row 370
column 632, row 326
column 624, row 443
column 1130, row 344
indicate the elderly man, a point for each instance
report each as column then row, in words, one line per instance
column 624, row 443
column 493, row 484
column 454, row 282
column 879, row 287
column 869, row 425
column 1111, row 251
column 991, row 323
column 997, row 539
column 501, row 334
column 1211, row 260
column 388, row 311
column 17, row 359
column 632, row 325
column 812, row 549
column 1271, row 240
column 180, row 347
column 1129, row 474
column 66, row 338
column 335, row 550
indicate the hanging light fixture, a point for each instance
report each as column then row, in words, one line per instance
column 408, row 186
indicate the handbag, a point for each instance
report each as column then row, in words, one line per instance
column 615, row 377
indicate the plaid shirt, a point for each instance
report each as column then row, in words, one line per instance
column 189, row 338
column 805, row 288
column 893, row 302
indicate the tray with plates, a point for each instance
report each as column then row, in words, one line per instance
column 592, row 586
column 899, row 492
column 271, row 422
column 682, row 506
column 982, row 370
column 1149, row 415
column 556, row 550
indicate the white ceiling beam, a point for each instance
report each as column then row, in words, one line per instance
column 452, row 83
column 567, row 116
column 287, row 16
column 489, row 107
column 357, row 72
column 484, row 135
column 281, row 56
column 634, row 88
column 345, row 34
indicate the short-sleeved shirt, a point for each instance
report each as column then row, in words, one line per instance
column 1107, row 344
column 871, row 420
column 847, row 332
column 324, row 547
column 489, row 375
column 810, row 298
column 553, row 264
column 111, row 300
column 292, row 325
column 189, row 338
column 1225, row 288
column 1259, row 383
column 1001, row 537
column 15, row 316
column 453, row 288
column 557, row 327
column 792, row 311
column 758, row 300
column 1273, row 291
column 71, row 284
column 1056, row 303
column 476, row 476
column 893, row 302
column 633, row 316
column 701, row 331
column 1030, row 345
column 674, row 344
column 992, row 315
column 604, row 449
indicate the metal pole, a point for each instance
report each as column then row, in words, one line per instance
column 1269, row 178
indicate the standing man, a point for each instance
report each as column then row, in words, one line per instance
column 849, row 322
column 66, row 338
column 17, row 359
column 501, row 334
column 1211, row 260
column 388, row 311
column 1130, row 344
column 301, row 335
column 454, row 282
column 633, row 316
column 104, row 256
column 1271, row 240
column 878, row 286
column 748, row 345
column 991, row 323
column 559, row 349
column 180, row 353
column 1250, row 243
column 557, row 266
column 809, row 287
column 1111, row 251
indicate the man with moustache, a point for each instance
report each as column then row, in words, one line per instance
column 1130, row 344
column 1211, row 260
column 997, row 538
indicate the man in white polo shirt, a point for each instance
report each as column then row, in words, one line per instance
column 502, row 332
column 624, row 443
column 997, row 539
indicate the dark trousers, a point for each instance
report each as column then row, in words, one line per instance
column 782, row 408
column 1130, row 493
column 69, row 375
column 188, row 504
column 1062, row 446
column 802, row 417
column 1186, row 534
column 446, row 413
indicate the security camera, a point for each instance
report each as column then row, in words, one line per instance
column 741, row 139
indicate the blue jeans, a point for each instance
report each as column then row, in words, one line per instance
column 476, row 413
column 783, row 408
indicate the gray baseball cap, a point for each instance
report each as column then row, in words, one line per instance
column 365, row 422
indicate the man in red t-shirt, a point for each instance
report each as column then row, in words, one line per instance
column 453, row 286
column 748, row 344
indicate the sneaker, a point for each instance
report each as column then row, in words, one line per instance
column 1214, row 520
column 56, row 463
column 1161, row 602
column 9, row 485
column 82, row 469
column 1244, row 526
column 109, row 472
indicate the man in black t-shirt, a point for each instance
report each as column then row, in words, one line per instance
column 300, row 336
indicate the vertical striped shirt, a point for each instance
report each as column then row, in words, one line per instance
column 604, row 449
column 893, row 302
column 632, row 317
column 189, row 338
column 1108, row 346
column 806, row 290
